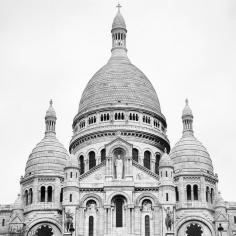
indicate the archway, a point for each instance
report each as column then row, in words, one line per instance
column 119, row 211
column 44, row 230
column 194, row 229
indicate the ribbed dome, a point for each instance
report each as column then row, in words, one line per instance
column 119, row 83
column 165, row 161
column 48, row 157
column 18, row 203
column 118, row 21
column 72, row 161
column 189, row 153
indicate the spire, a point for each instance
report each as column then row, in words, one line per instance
column 50, row 120
column 118, row 31
column 187, row 118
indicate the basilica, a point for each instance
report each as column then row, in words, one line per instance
column 119, row 176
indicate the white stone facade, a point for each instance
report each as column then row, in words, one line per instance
column 121, row 177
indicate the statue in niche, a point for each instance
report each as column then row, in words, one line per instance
column 147, row 205
column 169, row 220
column 92, row 206
column 119, row 167
column 68, row 220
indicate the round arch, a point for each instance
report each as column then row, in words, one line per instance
column 91, row 150
column 149, row 150
column 199, row 219
column 146, row 195
column 43, row 221
column 90, row 196
column 125, row 195
column 118, row 146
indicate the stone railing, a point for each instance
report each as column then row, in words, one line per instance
column 43, row 206
column 136, row 164
column 193, row 204
column 92, row 170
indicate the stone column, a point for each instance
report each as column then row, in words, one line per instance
column 137, row 220
column 109, row 221
column 81, row 221
column 203, row 190
column 153, row 165
column 86, row 166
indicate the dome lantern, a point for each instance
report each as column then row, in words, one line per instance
column 187, row 118
column 119, row 31
column 50, row 120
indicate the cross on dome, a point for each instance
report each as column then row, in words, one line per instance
column 118, row 6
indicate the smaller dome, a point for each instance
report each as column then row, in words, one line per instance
column 219, row 202
column 119, row 21
column 18, row 203
column 50, row 112
column 166, row 160
column 189, row 153
column 72, row 161
column 187, row 110
column 48, row 157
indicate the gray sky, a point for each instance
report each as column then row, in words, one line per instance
column 51, row 48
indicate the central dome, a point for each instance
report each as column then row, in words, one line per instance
column 119, row 83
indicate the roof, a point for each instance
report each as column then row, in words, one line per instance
column 48, row 157
column 119, row 83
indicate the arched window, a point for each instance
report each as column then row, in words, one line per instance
column 147, row 159
column 92, row 160
column 49, row 193
column 135, row 154
column 119, row 211
column 70, row 197
column 189, row 190
column 158, row 157
column 71, row 174
column 91, row 226
column 212, row 195
column 103, row 154
column 81, row 162
column 195, row 192
column 166, row 174
column 176, row 194
column 207, row 194
column 147, row 225
column 42, row 194
column 30, row 196
column 3, row 222
column 26, row 197
column 61, row 195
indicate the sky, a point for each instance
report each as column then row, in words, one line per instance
column 49, row 49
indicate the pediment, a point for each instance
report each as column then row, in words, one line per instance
column 16, row 220
column 142, row 175
column 119, row 143
column 94, row 176
column 220, row 217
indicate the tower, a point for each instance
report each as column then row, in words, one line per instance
column 43, row 181
column 70, row 194
column 167, row 193
column 195, row 180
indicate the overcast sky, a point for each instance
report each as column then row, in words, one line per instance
column 51, row 48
